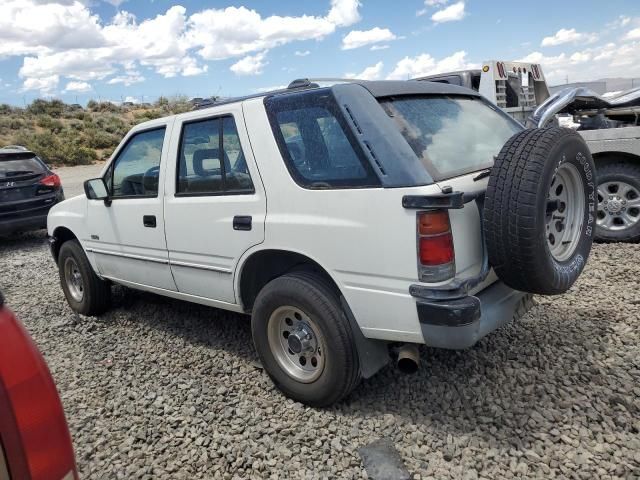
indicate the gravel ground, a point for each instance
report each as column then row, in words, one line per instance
column 157, row 388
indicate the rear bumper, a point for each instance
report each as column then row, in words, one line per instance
column 23, row 224
column 459, row 323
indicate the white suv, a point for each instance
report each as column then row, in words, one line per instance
column 352, row 222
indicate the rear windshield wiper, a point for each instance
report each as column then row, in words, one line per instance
column 482, row 174
column 15, row 173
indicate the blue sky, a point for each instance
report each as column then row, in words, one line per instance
column 77, row 50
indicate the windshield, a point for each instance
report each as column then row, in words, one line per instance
column 20, row 166
column 451, row 135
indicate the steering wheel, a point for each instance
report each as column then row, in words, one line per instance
column 150, row 180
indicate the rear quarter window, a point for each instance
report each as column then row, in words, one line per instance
column 317, row 145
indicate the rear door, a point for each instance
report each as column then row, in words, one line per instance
column 215, row 204
column 127, row 235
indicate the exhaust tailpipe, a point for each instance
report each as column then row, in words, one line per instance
column 408, row 358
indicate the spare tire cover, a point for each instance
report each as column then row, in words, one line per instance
column 540, row 210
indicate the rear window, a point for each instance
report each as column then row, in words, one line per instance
column 20, row 167
column 451, row 136
column 316, row 143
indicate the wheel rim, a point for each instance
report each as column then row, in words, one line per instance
column 618, row 206
column 297, row 343
column 73, row 279
column 565, row 212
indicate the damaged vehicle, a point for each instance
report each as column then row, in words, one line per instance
column 354, row 222
column 611, row 127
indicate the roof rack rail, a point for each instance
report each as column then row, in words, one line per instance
column 313, row 82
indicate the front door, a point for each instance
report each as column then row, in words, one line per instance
column 127, row 235
column 217, row 208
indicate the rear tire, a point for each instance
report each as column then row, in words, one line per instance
column 300, row 305
column 540, row 210
column 86, row 293
column 618, row 182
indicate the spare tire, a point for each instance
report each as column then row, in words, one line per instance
column 540, row 210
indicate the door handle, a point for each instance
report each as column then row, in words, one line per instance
column 149, row 221
column 242, row 222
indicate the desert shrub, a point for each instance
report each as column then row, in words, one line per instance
column 54, row 108
column 112, row 124
column 64, row 149
column 75, row 125
column 96, row 138
column 78, row 155
column 94, row 106
column 48, row 123
column 147, row 115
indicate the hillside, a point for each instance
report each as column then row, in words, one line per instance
column 64, row 134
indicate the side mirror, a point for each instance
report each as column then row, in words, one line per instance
column 95, row 189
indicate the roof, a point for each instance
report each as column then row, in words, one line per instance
column 449, row 74
column 388, row 88
column 377, row 88
column 16, row 150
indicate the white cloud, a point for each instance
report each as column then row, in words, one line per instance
column 129, row 79
column 360, row 38
column 633, row 34
column 378, row 47
column 430, row 3
column 621, row 59
column 344, row 12
column 78, row 87
column 373, row 72
column 452, row 13
column 570, row 35
column 425, row 64
column 302, row 53
column 250, row 65
column 45, row 84
column 64, row 38
column 236, row 31
column 32, row 26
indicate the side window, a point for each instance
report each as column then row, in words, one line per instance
column 211, row 160
column 135, row 172
column 316, row 144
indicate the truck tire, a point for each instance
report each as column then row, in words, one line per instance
column 304, row 339
column 540, row 210
column 86, row 293
column 618, row 202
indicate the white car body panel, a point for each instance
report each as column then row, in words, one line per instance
column 203, row 246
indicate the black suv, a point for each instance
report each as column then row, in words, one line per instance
column 28, row 189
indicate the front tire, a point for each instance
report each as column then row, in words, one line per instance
column 86, row 293
column 304, row 339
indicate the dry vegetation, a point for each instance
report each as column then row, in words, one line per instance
column 64, row 134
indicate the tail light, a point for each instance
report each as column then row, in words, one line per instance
column 35, row 436
column 52, row 180
column 436, row 256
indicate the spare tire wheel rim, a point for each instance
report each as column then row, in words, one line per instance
column 618, row 206
column 296, row 343
column 565, row 212
column 73, row 279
